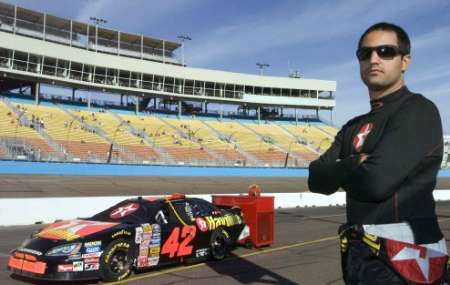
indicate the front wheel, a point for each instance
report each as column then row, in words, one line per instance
column 116, row 261
column 219, row 244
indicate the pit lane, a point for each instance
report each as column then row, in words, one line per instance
column 305, row 252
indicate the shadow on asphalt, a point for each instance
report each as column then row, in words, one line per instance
column 41, row 282
column 246, row 272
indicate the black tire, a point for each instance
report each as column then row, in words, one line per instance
column 116, row 261
column 219, row 244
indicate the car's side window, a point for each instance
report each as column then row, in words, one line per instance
column 184, row 211
column 202, row 208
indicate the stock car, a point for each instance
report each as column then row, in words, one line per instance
column 135, row 234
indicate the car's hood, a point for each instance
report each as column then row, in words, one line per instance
column 72, row 229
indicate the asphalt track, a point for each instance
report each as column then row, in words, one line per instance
column 305, row 252
column 20, row 185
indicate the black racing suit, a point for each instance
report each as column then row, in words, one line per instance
column 402, row 136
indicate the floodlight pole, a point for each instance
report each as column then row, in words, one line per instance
column 183, row 38
column 261, row 66
column 97, row 22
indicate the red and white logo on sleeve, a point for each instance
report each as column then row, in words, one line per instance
column 360, row 138
column 123, row 211
column 416, row 263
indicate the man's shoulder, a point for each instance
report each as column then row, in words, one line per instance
column 419, row 102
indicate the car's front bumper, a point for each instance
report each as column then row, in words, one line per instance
column 30, row 267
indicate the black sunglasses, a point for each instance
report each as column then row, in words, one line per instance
column 383, row 51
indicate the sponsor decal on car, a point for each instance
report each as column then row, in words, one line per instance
column 138, row 237
column 92, row 246
column 28, row 250
column 145, row 243
column 92, row 260
column 143, row 251
column 70, row 230
column 154, row 251
column 153, row 261
column 202, row 252
column 142, row 261
column 65, row 268
column 121, row 233
column 93, row 243
column 227, row 221
column 201, row 224
column 91, row 266
column 156, row 228
column 78, row 266
column 91, row 255
column 124, row 210
column 147, row 228
column 75, row 256
column 146, row 237
column 93, row 249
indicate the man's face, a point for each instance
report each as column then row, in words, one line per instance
column 382, row 74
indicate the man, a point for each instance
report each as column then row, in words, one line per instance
column 387, row 161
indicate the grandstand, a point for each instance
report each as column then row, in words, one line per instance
column 257, row 121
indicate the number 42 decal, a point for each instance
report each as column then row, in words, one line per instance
column 173, row 245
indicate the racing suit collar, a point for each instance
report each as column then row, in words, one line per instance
column 378, row 104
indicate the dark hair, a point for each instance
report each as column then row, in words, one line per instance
column 402, row 37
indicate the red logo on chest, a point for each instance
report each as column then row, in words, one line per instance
column 360, row 138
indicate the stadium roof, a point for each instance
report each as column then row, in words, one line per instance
column 36, row 17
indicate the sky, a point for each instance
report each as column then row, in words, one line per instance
column 317, row 38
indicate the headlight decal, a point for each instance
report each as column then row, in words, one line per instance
column 65, row 249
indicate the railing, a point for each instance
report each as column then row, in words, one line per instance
column 36, row 30
column 129, row 82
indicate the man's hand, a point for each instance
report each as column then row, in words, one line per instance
column 363, row 157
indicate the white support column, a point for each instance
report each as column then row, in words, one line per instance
column 89, row 100
column 15, row 19
column 118, row 43
column 137, row 104
column 296, row 117
column 44, row 26
column 164, row 51
column 96, row 38
column 87, row 33
column 28, row 61
column 42, row 64
column 142, row 46
column 37, row 90
column 258, row 110
column 179, row 108
column 71, row 31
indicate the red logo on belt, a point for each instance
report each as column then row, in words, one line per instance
column 416, row 263
column 360, row 138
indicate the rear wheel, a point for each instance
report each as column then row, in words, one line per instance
column 219, row 244
column 116, row 261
